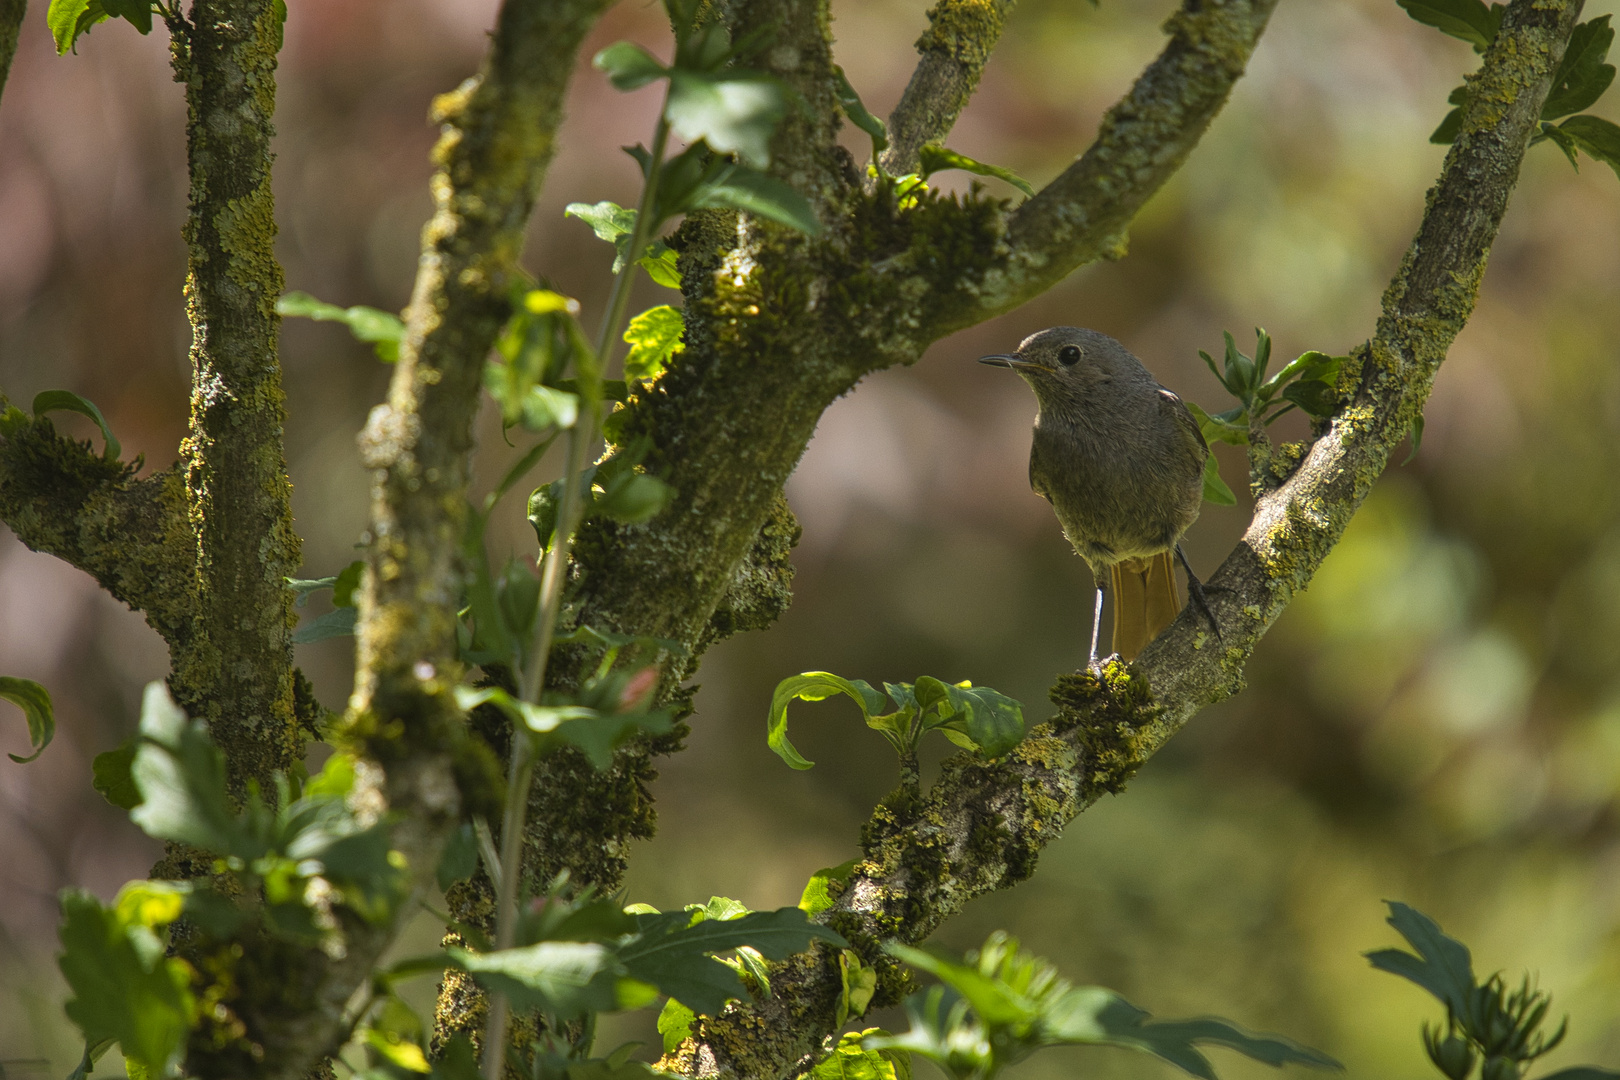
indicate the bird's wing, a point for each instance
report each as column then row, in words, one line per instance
column 1037, row 473
column 1172, row 406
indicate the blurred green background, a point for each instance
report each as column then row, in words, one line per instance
column 1437, row 720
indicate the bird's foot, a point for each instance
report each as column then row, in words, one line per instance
column 1198, row 593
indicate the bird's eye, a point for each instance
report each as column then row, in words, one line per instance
column 1069, row 355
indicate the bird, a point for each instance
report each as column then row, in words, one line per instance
column 1121, row 460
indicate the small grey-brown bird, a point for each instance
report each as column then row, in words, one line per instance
column 1121, row 460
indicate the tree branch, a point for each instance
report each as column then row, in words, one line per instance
column 1083, row 214
column 11, row 17
column 983, row 825
column 131, row 535
column 237, row 672
column 954, row 50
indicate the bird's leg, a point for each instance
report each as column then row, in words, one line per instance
column 1195, row 592
column 1096, row 626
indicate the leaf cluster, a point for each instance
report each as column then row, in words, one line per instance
column 301, row 866
column 975, row 718
column 35, row 702
column 69, row 19
column 1001, row 1004
column 1580, row 80
column 1306, row 383
column 1487, row 1024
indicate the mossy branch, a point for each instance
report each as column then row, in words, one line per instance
column 11, row 17
column 133, row 536
column 237, row 671
column 953, row 51
column 983, row 825
column 1083, row 214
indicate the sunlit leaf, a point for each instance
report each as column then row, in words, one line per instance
column 813, row 686
column 934, row 158
column 653, row 336
column 734, row 114
column 382, row 331
column 1215, row 489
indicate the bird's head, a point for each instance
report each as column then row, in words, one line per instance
column 1067, row 361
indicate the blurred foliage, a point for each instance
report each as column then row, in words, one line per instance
column 1436, row 720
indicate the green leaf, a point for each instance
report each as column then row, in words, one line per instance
column 459, row 859
column 992, row 720
column 1468, row 20
column 1450, row 126
column 1563, row 142
column 64, row 401
column 610, row 222
column 653, row 336
column 628, row 66
column 733, row 114
column 113, row 778
column 1442, row 966
column 339, row 622
column 744, row 189
column 1583, row 1072
column 563, row 978
column 93, row 1052
column 1122, row 1024
column 348, row 580
column 382, row 331
column 852, row 1061
column 1599, row 138
column 124, row 987
column 138, row 13
column 675, row 1024
column 1415, row 433
column 817, row 896
column 660, row 264
column 1218, row 427
column 633, row 498
column 672, row 953
column 853, row 108
column 68, row 19
column 1215, row 489
column 35, row 702
column 181, row 777
column 1319, row 399
column 813, row 686
column 1318, row 366
column 1582, row 76
column 934, row 158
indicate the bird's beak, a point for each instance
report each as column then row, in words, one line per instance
column 1008, row 361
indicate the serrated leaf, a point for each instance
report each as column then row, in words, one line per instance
column 113, row 779
column 35, row 702
column 68, row 19
column 181, row 777
column 628, row 66
column 1582, row 76
column 1215, row 489
column 1176, row 1041
column 755, row 193
column 124, row 987
column 339, row 622
column 653, row 336
column 672, row 954
column 813, row 686
column 1467, row 20
column 850, row 1060
column 381, row 330
column 661, row 265
column 1443, row 966
column 934, row 158
column 1596, row 136
column 66, row 401
column 563, row 978
column 675, row 1024
column 733, row 114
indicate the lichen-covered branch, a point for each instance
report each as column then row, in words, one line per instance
column 982, row 826
column 133, row 536
column 237, row 672
column 1084, row 213
column 953, row 51
column 11, row 17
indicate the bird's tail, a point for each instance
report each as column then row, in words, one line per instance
column 1145, row 601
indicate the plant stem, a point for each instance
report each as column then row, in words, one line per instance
column 520, row 771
